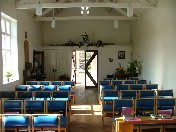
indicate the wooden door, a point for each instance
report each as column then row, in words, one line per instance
column 91, row 68
column 56, row 64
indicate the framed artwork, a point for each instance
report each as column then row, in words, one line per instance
column 121, row 55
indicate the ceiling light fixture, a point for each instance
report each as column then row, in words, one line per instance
column 116, row 23
column 53, row 21
column 85, row 11
column 129, row 10
column 39, row 9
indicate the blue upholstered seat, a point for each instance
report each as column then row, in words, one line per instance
column 141, row 81
column 151, row 86
column 31, row 82
column 116, row 82
column 21, row 87
column 121, row 87
column 146, row 93
column 7, row 94
column 49, row 88
column 129, row 81
column 43, row 95
column 35, row 88
column 16, row 120
column 109, row 95
column 61, row 95
column 56, row 82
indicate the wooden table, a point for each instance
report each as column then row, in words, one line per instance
column 127, row 126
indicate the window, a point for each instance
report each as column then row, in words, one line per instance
column 9, row 49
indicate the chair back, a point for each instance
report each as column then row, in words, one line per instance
column 136, row 87
column 22, row 95
column 141, row 81
column 34, row 106
column 165, row 93
column 129, row 81
column 7, row 95
column 151, row 86
column 12, row 106
column 31, row 82
column 121, row 87
column 146, row 94
column 145, row 106
column 116, row 82
column 128, row 94
column 42, row 95
column 44, row 82
column 56, row 82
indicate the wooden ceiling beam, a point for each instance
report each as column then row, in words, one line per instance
column 85, row 18
column 83, row 4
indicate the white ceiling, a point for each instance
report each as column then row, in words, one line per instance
column 115, row 9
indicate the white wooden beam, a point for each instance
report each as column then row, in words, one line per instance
column 83, row 4
column 85, row 18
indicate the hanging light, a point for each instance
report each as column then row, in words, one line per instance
column 129, row 10
column 116, row 23
column 39, row 10
column 53, row 21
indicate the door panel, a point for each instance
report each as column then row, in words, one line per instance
column 56, row 64
column 91, row 68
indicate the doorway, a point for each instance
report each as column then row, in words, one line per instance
column 85, row 67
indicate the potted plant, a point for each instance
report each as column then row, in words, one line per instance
column 8, row 75
column 132, row 67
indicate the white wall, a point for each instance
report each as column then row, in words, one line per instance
column 154, row 42
column 24, row 23
column 96, row 29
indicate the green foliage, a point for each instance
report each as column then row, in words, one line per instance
column 133, row 66
column 119, row 71
column 8, row 74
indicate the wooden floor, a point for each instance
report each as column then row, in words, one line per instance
column 86, row 113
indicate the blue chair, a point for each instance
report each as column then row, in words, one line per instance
column 109, row 95
column 57, row 106
column 61, row 95
column 128, row 94
column 42, row 95
column 145, row 106
column 35, row 88
column 116, row 82
column 151, row 86
column 48, row 122
column 44, row 83
column 146, row 94
column 31, row 82
column 34, row 106
column 121, row 87
column 12, row 106
column 16, row 121
column 104, row 82
column 71, row 83
column 141, row 81
column 56, row 82
column 133, row 78
column 7, row 95
column 21, row 87
column 129, row 81
column 165, row 104
column 49, row 88
column 24, row 95
column 165, row 93
column 119, row 104
column 107, row 110
column 64, row 88
column 136, row 87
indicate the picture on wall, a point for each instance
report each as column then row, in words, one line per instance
column 121, row 55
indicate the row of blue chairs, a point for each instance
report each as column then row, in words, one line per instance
column 109, row 95
column 72, row 83
column 117, row 82
column 32, row 122
column 43, row 88
column 35, row 106
column 35, row 95
column 138, row 107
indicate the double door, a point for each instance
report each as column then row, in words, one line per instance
column 56, row 63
